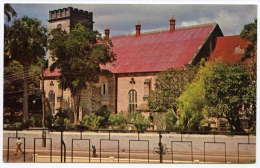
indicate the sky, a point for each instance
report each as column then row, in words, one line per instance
column 153, row 15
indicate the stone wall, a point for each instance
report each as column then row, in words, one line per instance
column 137, row 84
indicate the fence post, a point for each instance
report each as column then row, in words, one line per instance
column 161, row 147
column 43, row 138
column 34, row 157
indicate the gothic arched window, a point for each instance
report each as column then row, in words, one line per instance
column 132, row 100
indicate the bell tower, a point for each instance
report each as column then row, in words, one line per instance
column 67, row 18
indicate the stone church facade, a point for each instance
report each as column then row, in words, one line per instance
column 140, row 57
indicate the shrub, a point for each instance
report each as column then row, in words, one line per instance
column 117, row 120
column 103, row 112
column 35, row 122
column 67, row 123
column 170, row 119
column 58, row 121
column 92, row 121
column 139, row 120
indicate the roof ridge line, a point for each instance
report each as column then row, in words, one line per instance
column 164, row 30
column 200, row 25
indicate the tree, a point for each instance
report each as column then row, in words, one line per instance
column 249, row 33
column 226, row 88
column 13, row 83
column 78, row 55
column 191, row 103
column 9, row 12
column 169, row 86
column 27, row 40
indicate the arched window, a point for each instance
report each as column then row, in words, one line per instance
column 132, row 100
column 52, row 101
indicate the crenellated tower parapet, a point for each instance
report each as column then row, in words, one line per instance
column 67, row 18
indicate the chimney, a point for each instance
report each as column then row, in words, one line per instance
column 107, row 32
column 137, row 29
column 172, row 24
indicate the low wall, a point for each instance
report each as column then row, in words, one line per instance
column 137, row 143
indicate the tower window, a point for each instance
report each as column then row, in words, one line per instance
column 104, row 88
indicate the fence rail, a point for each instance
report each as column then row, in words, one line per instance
column 135, row 144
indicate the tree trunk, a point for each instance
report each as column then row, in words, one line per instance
column 25, row 94
column 75, row 106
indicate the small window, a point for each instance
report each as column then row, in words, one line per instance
column 146, row 88
column 59, row 26
column 104, row 88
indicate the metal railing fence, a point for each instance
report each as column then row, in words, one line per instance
column 102, row 141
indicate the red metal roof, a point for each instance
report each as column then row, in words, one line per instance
column 48, row 73
column 157, row 51
column 229, row 49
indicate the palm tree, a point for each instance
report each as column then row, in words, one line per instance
column 9, row 12
column 27, row 42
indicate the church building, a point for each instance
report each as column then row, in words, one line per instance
column 140, row 57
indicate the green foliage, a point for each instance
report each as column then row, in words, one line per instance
column 193, row 98
column 185, row 121
column 118, row 120
column 35, row 122
column 79, row 54
column 192, row 103
column 92, row 121
column 225, row 89
column 25, row 41
column 104, row 112
column 13, row 83
column 59, row 121
column 169, row 86
column 67, row 123
column 20, row 125
column 139, row 121
column 48, row 121
column 9, row 12
column 249, row 32
column 250, row 104
column 170, row 119
column 190, row 121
